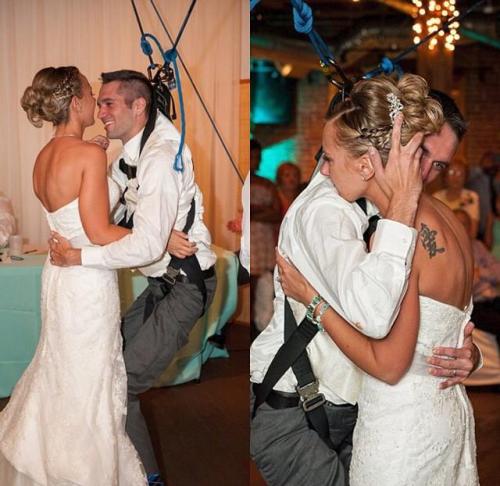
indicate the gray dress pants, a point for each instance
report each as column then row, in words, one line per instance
column 149, row 347
column 289, row 453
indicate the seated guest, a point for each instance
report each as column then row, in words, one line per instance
column 486, row 313
column 455, row 196
column 7, row 220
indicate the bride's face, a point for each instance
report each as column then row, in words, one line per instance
column 345, row 171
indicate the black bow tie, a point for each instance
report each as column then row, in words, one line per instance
column 129, row 170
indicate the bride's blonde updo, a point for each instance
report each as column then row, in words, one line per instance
column 49, row 96
column 364, row 119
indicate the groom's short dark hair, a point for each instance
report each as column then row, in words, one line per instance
column 133, row 85
column 452, row 114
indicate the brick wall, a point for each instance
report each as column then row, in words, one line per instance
column 313, row 94
column 477, row 82
column 476, row 89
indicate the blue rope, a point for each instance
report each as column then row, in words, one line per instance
column 253, row 3
column 303, row 21
column 200, row 98
column 169, row 57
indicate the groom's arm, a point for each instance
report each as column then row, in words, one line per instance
column 456, row 364
column 365, row 288
column 154, row 218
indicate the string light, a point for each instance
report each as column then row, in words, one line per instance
column 429, row 16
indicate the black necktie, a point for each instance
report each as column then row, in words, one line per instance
column 129, row 170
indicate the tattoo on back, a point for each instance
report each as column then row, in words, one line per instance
column 428, row 239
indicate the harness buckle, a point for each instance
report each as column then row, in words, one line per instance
column 170, row 275
column 310, row 396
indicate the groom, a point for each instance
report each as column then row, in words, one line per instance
column 156, row 199
column 370, row 287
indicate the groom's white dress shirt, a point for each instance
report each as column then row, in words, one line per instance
column 160, row 198
column 322, row 234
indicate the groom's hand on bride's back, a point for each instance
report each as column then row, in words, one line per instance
column 62, row 253
column 455, row 364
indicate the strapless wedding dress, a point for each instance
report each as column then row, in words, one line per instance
column 65, row 422
column 413, row 433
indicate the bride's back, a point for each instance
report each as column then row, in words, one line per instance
column 444, row 255
column 58, row 171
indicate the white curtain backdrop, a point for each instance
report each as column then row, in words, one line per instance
column 102, row 35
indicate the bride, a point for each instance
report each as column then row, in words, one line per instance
column 65, row 421
column 409, row 432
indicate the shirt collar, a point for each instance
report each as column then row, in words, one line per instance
column 131, row 149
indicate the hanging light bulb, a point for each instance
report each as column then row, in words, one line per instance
column 429, row 16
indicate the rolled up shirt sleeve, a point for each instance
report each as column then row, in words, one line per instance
column 154, row 216
column 365, row 288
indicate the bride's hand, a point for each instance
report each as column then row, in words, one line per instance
column 294, row 285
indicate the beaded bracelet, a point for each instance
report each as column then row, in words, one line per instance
column 312, row 306
column 317, row 320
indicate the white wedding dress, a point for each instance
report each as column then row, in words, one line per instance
column 413, row 433
column 65, row 422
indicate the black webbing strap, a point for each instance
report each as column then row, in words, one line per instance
column 189, row 265
column 295, row 344
column 293, row 354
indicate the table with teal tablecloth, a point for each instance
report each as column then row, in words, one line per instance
column 20, row 318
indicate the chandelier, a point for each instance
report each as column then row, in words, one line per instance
column 429, row 16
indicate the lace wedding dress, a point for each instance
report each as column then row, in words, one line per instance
column 413, row 433
column 65, row 422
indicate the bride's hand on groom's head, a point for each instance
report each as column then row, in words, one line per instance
column 455, row 364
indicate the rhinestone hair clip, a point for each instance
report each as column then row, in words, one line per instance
column 64, row 89
column 395, row 106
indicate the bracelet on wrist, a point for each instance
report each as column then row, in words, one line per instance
column 312, row 306
column 317, row 320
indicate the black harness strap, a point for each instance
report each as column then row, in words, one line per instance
column 189, row 265
column 293, row 354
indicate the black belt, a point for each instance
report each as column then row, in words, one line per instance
column 278, row 400
column 209, row 273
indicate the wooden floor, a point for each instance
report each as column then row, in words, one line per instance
column 200, row 430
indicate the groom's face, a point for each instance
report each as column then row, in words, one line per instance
column 438, row 151
column 117, row 116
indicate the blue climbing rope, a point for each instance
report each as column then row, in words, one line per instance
column 304, row 23
column 169, row 58
column 200, row 98
column 253, row 3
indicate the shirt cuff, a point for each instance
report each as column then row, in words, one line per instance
column 92, row 256
column 396, row 239
column 480, row 362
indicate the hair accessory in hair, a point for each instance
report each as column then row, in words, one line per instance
column 64, row 89
column 395, row 106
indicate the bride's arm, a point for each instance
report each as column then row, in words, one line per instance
column 386, row 359
column 94, row 199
